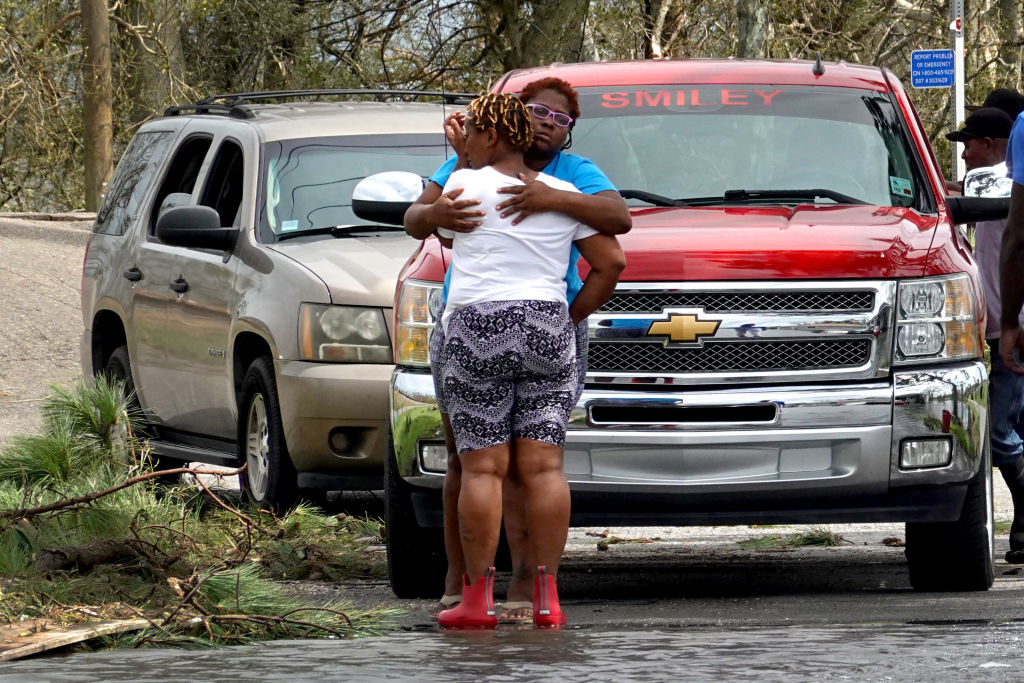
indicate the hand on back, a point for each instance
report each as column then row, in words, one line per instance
column 452, row 213
column 529, row 198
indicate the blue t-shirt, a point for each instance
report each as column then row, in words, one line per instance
column 581, row 172
column 1015, row 150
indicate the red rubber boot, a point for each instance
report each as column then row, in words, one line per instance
column 477, row 607
column 547, row 613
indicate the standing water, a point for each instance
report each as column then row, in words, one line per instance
column 924, row 652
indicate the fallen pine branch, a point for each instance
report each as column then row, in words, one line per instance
column 24, row 513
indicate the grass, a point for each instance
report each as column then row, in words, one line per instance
column 815, row 536
column 197, row 571
column 1002, row 527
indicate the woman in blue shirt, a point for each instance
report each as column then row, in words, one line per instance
column 554, row 107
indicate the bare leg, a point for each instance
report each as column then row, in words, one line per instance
column 450, row 506
column 539, row 467
column 520, row 587
column 480, row 506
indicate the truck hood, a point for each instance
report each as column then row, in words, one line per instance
column 746, row 243
column 358, row 271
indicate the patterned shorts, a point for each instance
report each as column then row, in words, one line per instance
column 436, row 343
column 508, row 369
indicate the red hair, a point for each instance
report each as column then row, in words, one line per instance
column 558, row 85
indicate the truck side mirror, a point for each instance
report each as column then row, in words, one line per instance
column 976, row 209
column 987, row 181
column 384, row 197
column 196, row 227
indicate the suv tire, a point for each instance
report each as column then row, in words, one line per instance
column 956, row 556
column 118, row 368
column 269, row 480
column 416, row 557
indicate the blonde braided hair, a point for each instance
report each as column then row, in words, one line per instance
column 506, row 115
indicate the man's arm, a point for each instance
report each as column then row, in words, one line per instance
column 604, row 211
column 606, row 260
column 437, row 209
column 1011, row 281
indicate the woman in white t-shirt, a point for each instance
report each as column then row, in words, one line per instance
column 508, row 361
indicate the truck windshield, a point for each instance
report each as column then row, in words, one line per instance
column 726, row 144
column 307, row 183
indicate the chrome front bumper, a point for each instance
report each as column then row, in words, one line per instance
column 818, row 446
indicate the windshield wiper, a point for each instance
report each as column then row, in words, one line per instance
column 339, row 231
column 742, row 196
column 651, row 198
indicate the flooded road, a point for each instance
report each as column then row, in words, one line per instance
column 921, row 652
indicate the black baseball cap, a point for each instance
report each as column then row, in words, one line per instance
column 1007, row 99
column 987, row 122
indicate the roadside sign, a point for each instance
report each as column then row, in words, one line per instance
column 932, row 69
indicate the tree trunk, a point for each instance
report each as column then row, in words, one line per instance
column 655, row 12
column 538, row 32
column 98, row 125
column 156, row 74
column 1010, row 53
column 753, row 28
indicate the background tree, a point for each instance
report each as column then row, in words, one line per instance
column 97, row 114
column 165, row 52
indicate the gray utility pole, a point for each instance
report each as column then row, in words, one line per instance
column 956, row 30
column 97, row 113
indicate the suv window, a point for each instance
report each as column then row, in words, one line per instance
column 307, row 184
column 223, row 191
column 181, row 173
column 701, row 141
column 132, row 178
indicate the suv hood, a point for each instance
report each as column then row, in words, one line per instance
column 358, row 271
column 747, row 243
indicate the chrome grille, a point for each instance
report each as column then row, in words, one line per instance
column 740, row 302
column 648, row 358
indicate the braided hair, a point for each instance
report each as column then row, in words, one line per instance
column 506, row 115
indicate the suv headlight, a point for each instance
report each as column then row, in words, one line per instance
column 343, row 334
column 936, row 319
column 418, row 307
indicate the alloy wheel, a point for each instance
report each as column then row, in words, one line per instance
column 257, row 448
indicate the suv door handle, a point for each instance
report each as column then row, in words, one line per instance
column 180, row 285
column 133, row 274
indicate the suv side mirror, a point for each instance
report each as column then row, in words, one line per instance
column 384, row 197
column 196, row 227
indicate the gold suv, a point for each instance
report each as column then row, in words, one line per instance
column 230, row 285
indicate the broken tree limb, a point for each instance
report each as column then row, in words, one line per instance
column 25, row 513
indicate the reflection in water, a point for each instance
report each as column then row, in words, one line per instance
column 898, row 652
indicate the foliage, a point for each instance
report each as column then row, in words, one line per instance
column 815, row 536
column 180, row 556
column 172, row 51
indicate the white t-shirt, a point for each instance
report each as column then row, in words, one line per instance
column 503, row 262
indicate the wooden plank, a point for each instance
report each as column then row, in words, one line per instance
column 31, row 637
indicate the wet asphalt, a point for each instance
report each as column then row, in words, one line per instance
column 668, row 577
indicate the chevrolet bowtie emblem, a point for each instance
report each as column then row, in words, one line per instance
column 686, row 328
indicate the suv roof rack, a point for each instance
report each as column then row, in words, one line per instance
column 233, row 104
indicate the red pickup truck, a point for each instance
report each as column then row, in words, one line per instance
column 797, row 336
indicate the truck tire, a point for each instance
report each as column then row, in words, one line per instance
column 416, row 558
column 956, row 556
column 269, row 480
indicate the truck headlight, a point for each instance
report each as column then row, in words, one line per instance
column 936, row 320
column 418, row 307
column 343, row 334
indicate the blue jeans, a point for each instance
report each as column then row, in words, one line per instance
column 1006, row 402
